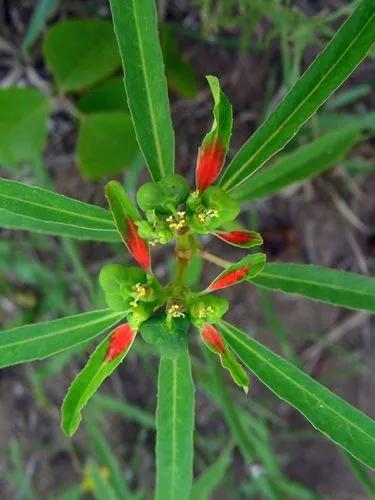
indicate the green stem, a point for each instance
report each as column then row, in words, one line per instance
column 183, row 252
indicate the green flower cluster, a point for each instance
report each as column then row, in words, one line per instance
column 140, row 295
column 171, row 209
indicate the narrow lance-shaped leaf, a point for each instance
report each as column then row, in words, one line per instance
column 175, row 427
column 125, row 214
column 305, row 162
column 329, row 70
column 31, row 342
column 135, row 23
column 105, row 359
column 338, row 288
column 331, row 415
column 39, row 210
column 215, row 144
column 245, row 269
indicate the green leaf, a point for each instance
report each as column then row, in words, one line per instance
column 38, row 341
column 180, row 73
column 106, row 96
column 331, row 415
column 338, row 288
column 80, row 52
column 39, row 210
column 87, row 383
column 122, row 208
column 135, row 23
column 175, row 427
column 23, row 125
column 305, row 162
column 205, row 485
column 170, row 343
column 106, row 144
column 44, row 10
column 329, row 70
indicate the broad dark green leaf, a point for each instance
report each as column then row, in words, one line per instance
column 80, row 52
column 106, row 96
column 339, row 288
column 106, row 144
column 174, row 427
column 305, row 162
column 23, row 125
column 329, row 70
column 39, row 210
column 331, row 415
column 44, row 10
column 135, row 23
column 87, row 383
column 38, row 341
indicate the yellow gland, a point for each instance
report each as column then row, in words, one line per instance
column 176, row 311
column 177, row 221
column 204, row 311
column 140, row 293
column 207, row 215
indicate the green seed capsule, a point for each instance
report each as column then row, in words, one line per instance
column 150, row 196
column 175, row 188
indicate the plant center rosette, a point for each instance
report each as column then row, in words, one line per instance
column 171, row 212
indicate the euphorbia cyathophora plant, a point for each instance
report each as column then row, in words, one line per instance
column 174, row 213
column 169, row 210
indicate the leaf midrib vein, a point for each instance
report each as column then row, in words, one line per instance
column 56, row 332
column 270, row 138
column 149, row 100
column 349, row 423
column 54, row 209
column 314, row 283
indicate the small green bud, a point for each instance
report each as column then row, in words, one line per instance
column 163, row 196
column 207, row 308
column 145, row 229
column 150, row 196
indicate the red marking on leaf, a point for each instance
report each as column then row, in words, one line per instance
column 212, row 338
column 137, row 246
column 228, row 279
column 235, row 237
column 120, row 340
column 210, row 161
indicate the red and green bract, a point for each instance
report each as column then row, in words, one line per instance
column 120, row 341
